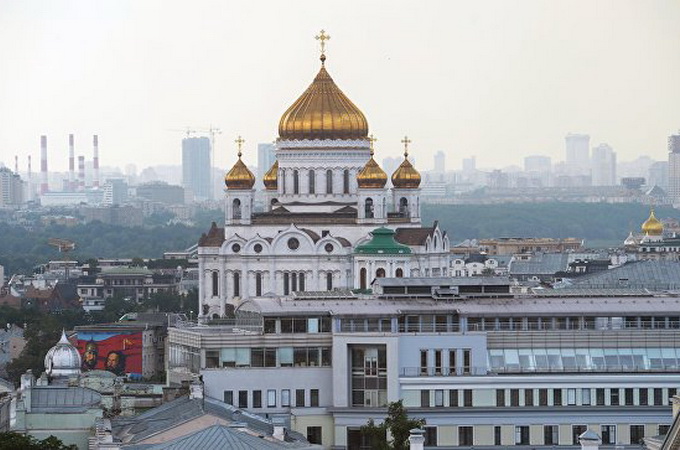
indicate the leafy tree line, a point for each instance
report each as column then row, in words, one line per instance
column 15, row 441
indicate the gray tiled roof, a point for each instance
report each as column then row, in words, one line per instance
column 654, row 275
column 544, row 264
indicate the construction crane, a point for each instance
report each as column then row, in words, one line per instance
column 64, row 246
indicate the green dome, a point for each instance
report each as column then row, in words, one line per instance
column 383, row 243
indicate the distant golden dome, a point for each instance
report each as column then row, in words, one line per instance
column 270, row 178
column 406, row 176
column 371, row 176
column 323, row 112
column 652, row 226
column 239, row 177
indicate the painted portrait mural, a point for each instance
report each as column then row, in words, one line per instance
column 115, row 352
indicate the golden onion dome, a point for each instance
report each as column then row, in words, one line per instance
column 323, row 112
column 239, row 177
column 652, row 226
column 270, row 178
column 371, row 176
column 406, row 176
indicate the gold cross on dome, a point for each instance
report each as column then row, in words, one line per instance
column 371, row 141
column 239, row 142
column 406, row 141
column 322, row 37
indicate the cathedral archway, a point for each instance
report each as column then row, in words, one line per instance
column 368, row 208
column 380, row 273
column 236, row 209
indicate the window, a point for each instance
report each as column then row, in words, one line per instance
column 551, row 435
column 296, row 182
column 637, row 433
column 500, row 398
column 438, row 398
column 663, row 430
column 658, row 396
column 644, row 397
column 571, row 397
column 380, row 273
column 229, row 397
column 514, row 397
column 452, row 362
column 299, row 398
column 585, row 397
column 557, row 397
column 437, row 362
column 314, row 435
column 629, row 396
column 465, row 436
column 236, row 209
column 312, row 182
column 271, row 398
column 614, row 397
column 215, row 284
column 362, row 278
column 314, row 398
column 423, row 362
column 368, row 208
column 329, row 281
column 399, row 273
column 576, row 431
column 466, row 361
column 497, row 435
column 424, row 398
column 301, row 286
column 286, row 283
column 243, row 399
column 542, row 397
column 453, row 397
column 528, row 397
column 329, row 181
column 285, row 397
column 430, row 436
column 608, row 434
column 522, row 435
column 467, row 397
column 599, row 397
column 258, row 284
column 237, row 284
column 293, row 282
column 257, row 399
column 345, row 181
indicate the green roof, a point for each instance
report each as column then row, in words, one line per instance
column 383, row 243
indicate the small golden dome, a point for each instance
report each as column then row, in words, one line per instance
column 239, row 177
column 323, row 112
column 406, row 176
column 652, row 226
column 371, row 176
column 270, row 178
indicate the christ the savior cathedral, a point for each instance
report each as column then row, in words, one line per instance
column 331, row 222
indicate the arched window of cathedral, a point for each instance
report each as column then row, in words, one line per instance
column 329, row 281
column 215, row 316
column 345, row 181
column 312, row 182
column 237, row 284
column 282, row 177
column 403, row 206
column 257, row 248
column 293, row 243
column 302, row 282
column 258, row 284
column 399, row 273
column 368, row 208
column 380, row 273
column 434, row 246
column 236, row 209
column 362, row 278
column 215, row 284
column 286, row 284
column 293, row 282
column 296, row 182
column 329, row 181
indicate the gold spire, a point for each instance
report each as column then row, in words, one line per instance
column 406, row 176
column 371, row 176
column 323, row 111
column 271, row 178
column 652, row 226
column 239, row 177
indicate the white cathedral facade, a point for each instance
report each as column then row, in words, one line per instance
column 330, row 222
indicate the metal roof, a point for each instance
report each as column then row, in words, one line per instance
column 654, row 275
column 545, row 264
column 63, row 398
column 444, row 281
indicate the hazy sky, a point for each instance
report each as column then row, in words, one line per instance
column 498, row 79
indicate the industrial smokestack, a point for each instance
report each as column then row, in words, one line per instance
column 81, row 173
column 16, row 164
column 95, row 161
column 43, row 165
column 71, row 165
column 29, row 167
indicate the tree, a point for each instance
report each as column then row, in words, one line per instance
column 397, row 423
column 13, row 440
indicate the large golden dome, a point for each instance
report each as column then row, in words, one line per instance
column 323, row 112
column 239, row 177
column 406, row 176
column 652, row 226
column 271, row 178
column 371, row 176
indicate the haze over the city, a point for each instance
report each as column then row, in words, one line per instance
column 495, row 79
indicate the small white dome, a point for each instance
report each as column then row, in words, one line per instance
column 63, row 359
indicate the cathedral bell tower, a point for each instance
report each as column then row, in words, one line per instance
column 239, row 193
column 372, row 195
column 405, row 188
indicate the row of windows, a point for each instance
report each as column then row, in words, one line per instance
column 445, row 362
column 292, row 282
column 269, row 357
column 311, row 177
column 571, row 323
column 253, row 399
column 286, row 325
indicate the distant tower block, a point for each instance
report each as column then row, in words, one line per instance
column 81, row 173
column 16, row 164
column 95, row 161
column 43, row 165
column 71, row 164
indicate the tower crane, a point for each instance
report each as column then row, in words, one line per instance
column 64, row 246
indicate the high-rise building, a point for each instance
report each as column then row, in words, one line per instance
column 11, row 188
column 577, row 153
column 440, row 162
column 674, row 167
column 469, row 164
column 658, row 175
column 266, row 156
column 537, row 163
column 604, row 166
column 196, row 166
column 115, row 192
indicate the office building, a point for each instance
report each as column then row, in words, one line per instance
column 577, row 156
column 603, row 166
column 196, row 167
column 674, row 167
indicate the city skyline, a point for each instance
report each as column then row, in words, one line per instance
column 494, row 80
